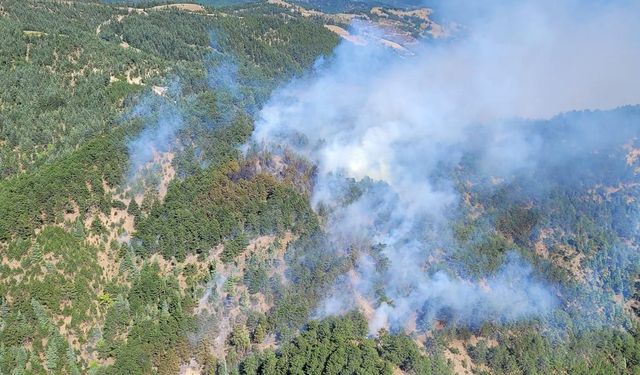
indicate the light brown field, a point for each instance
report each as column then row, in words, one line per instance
column 185, row 6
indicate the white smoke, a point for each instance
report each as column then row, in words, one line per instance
column 394, row 122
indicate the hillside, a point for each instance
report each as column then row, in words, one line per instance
column 265, row 187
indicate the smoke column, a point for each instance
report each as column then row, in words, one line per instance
column 163, row 120
column 397, row 126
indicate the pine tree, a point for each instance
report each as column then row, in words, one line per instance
column 72, row 361
column 51, row 354
column 36, row 254
column 41, row 315
column 259, row 334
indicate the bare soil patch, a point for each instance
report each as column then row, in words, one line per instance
column 186, row 7
column 344, row 34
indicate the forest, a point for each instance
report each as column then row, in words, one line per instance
column 124, row 251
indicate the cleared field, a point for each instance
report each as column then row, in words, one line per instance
column 185, row 6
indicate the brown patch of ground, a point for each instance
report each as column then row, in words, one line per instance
column 73, row 215
column 632, row 155
column 609, row 190
column 394, row 28
column 422, row 13
column 280, row 268
column 12, row 264
column 185, row 6
column 308, row 12
column 393, row 45
column 397, row 18
column 456, row 353
column 133, row 80
column 159, row 90
column 232, row 297
column 133, row 10
column 460, row 360
column 344, row 34
column 106, row 261
column 167, row 266
column 364, row 305
column 191, row 368
column 475, row 208
column 438, row 31
column 152, row 177
column 34, row 33
column 599, row 193
column 569, row 259
column 379, row 11
column 168, row 172
column 496, row 180
column 105, row 23
column 540, row 246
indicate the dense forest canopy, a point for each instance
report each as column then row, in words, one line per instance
column 187, row 188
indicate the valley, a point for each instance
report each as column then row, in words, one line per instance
column 282, row 187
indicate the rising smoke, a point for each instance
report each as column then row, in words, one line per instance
column 165, row 111
column 398, row 126
column 163, row 119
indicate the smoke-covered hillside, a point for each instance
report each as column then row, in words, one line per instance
column 334, row 6
column 319, row 188
column 331, row 6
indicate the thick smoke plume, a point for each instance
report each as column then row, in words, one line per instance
column 398, row 126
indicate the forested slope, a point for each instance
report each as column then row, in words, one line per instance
column 77, row 295
column 141, row 232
